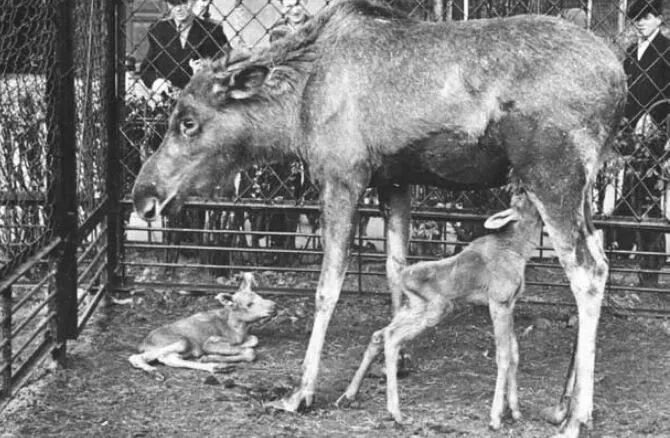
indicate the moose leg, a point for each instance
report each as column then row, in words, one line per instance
column 396, row 201
column 339, row 199
column 580, row 251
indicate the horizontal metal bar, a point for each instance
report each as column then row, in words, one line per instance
column 33, row 334
column 33, row 290
column 92, row 263
column 90, row 246
column 208, row 287
column 656, row 224
column 32, row 315
column 96, row 217
column 29, row 263
column 8, row 198
column 20, row 377
column 90, row 309
column 96, row 276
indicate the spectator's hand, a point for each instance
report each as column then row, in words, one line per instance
column 161, row 86
column 195, row 64
column 646, row 126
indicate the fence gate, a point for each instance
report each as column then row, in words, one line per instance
column 57, row 123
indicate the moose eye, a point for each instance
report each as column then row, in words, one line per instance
column 188, row 127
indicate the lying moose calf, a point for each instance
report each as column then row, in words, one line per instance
column 216, row 337
column 490, row 269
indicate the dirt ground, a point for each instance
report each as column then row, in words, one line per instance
column 447, row 392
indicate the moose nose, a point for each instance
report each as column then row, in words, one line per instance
column 148, row 210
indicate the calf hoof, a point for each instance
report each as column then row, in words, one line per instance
column 345, row 402
column 222, row 368
column 248, row 355
column 555, row 414
column 157, row 376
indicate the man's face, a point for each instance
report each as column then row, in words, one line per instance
column 181, row 12
column 646, row 25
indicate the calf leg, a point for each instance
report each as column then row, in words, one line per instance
column 507, row 357
column 219, row 350
column 176, row 361
column 371, row 353
column 151, row 354
column 406, row 325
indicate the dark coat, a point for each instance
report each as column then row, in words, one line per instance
column 648, row 80
column 166, row 57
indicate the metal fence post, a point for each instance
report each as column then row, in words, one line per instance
column 113, row 86
column 63, row 187
column 6, row 337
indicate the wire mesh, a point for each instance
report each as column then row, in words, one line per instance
column 631, row 190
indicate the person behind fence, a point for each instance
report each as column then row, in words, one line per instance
column 177, row 46
column 647, row 67
column 293, row 15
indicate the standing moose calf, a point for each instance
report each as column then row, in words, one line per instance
column 366, row 96
column 216, row 337
column 489, row 270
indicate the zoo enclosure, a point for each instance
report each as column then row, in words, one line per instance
column 76, row 124
column 58, row 209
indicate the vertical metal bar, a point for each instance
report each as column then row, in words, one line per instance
column 438, row 10
column 63, row 192
column 589, row 13
column 621, row 16
column 112, row 102
column 360, row 251
column 449, row 10
column 5, row 335
column 466, row 9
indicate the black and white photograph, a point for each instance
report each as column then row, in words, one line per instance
column 334, row 218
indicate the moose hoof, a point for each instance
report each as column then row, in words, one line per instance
column 292, row 403
column 495, row 424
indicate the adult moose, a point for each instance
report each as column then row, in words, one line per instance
column 366, row 96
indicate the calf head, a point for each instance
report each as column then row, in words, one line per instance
column 245, row 304
column 522, row 216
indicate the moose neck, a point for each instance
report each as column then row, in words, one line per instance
column 274, row 124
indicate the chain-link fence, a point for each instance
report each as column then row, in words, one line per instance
column 55, row 63
column 270, row 222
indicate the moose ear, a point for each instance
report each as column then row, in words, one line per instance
column 499, row 220
column 245, row 83
column 248, row 281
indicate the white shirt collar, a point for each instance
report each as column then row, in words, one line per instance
column 643, row 44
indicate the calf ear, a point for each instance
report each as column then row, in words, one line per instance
column 245, row 83
column 499, row 220
column 224, row 298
